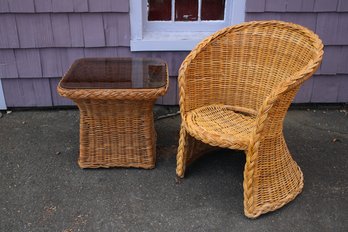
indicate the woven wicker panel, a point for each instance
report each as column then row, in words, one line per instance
column 116, row 134
column 235, row 68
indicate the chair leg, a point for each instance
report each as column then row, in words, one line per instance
column 182, row 152
column 271, row 177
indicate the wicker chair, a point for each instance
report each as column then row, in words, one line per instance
column 235, row 89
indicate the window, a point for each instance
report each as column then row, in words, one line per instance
column 185, row 10
column 174, row 25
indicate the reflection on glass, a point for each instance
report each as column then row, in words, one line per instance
column 213, row 9
column 186, row 10
column 116, row 73
column 159, row 10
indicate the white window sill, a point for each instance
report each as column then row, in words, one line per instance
column 168, row 41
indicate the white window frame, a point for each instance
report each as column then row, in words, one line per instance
column 176, row 36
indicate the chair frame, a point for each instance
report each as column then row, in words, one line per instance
column 263, row 143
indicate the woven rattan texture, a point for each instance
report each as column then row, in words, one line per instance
column 116, row 126
column 116, row 133
column 235, row 89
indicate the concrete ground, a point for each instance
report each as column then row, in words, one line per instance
column 43, row 189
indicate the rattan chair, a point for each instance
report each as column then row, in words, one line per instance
column 235, row 89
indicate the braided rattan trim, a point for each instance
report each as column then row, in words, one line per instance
column 113, row 94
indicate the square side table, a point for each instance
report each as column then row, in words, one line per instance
column 115, row 97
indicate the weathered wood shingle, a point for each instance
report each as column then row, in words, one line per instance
column 61, row 30
column 342, row 6
column 329, row 64
column 123, row 29
column 62, row 5
column 26, row 30
column 28, row 63
column 275, row 5
column 8, row 67
column 343, row 89
column 111, row 29
column 108, row 6
column 342, row 60
column 80, row 5
column 34, row 30
column 325, row 5
column 255, row 5
column 342, row 33
column 8, row 31
column 27, row 92
column 76, row 30
column 51, row 63
column 307, row 5
column 43, row 6
column 93, row 30
column 331, row 28
column 21, row 6
column 325, row 89
column 300, row 5
column 117, row 29
column 4, row 7
column 294, row 6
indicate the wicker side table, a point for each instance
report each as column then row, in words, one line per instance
column 115, row 97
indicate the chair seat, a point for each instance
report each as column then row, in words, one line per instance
column 221, row 125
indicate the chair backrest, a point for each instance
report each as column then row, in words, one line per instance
column 242, row 64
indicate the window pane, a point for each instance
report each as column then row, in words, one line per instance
column 186, row 10
column 159, row 10
column 213, row 9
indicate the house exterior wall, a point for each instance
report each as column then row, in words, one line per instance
column 39, row 39
column 329, row 19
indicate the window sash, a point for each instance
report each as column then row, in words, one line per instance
column 186, row 26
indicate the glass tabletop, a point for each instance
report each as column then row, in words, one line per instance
column 116, row 73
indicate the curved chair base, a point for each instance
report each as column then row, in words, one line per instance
column 269, row 207
column 270, row 181
column 271, row 177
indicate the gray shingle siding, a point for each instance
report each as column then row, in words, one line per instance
column 329, row 19
column 39, row 39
